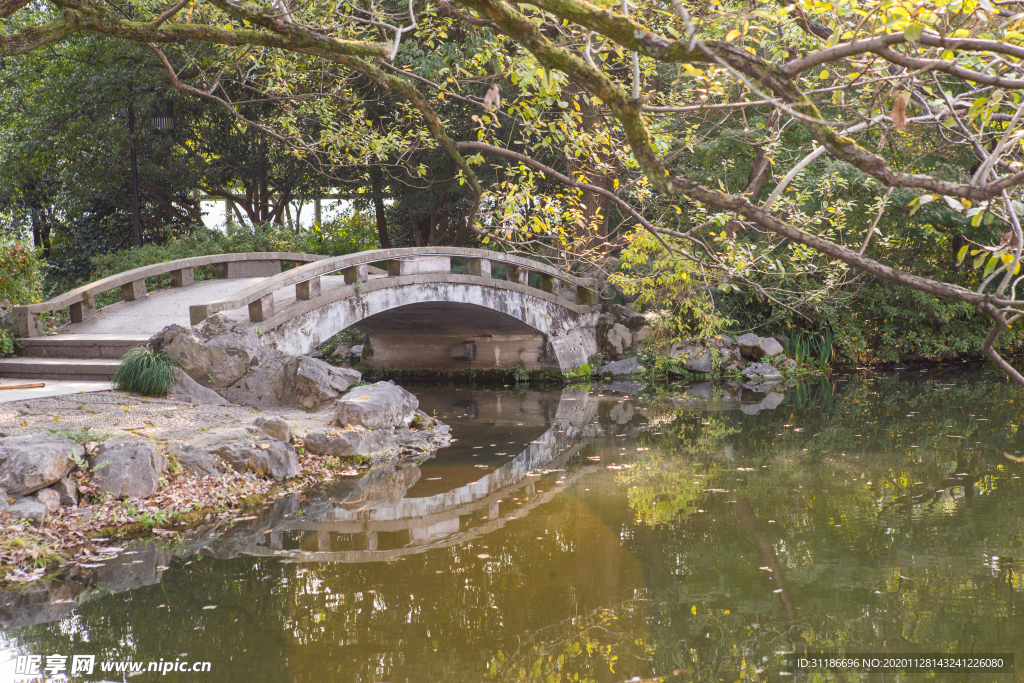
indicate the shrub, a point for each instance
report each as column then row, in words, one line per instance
column 145, row 371
column 345, row 235
column 6, row 342
column 21, row 280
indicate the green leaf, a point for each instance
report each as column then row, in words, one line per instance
column 913, row 32
column 960, row 255
column 990, row 267
column 978, row 261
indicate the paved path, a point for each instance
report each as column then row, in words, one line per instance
column 52, row 388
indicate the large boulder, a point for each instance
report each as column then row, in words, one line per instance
column 264, row 457
column 213, row 438
column 274, row 427
column 642, row 335
column 759, row 347
column 266, row 383
column 627, row 317
column 30, row 509
column 762, row 372
column 345, row 443
column 692, row 357
column 217, row 353
column 190, row 391
column 615, row 341
column 317, row 383
column 620, row 368
column 32, row 462
column 128, row 469
column 196, row 460
column 229, row 357
column 733, row 358
column 376, row 406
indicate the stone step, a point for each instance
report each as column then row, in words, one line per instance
column 78, row 369
column 111, row 346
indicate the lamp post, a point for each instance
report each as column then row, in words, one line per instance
column 137, row 219
column 162, row 120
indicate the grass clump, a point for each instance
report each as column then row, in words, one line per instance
column 145, row 372
column 80, row 434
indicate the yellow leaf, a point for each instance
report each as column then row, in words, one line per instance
column 731, row 35
column 823, row 75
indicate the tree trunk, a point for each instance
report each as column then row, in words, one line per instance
column 594, row 207
column 378, row 207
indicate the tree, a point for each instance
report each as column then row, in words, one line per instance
column 863, row 83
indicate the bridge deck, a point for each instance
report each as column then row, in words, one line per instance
column 164, row 307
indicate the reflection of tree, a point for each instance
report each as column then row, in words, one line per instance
column 162, row 621
column 665, row 481
column 609, row 572
column 881, row 544
column 594, row 646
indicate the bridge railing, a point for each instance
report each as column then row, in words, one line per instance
column 405, row 261
column 82, row 301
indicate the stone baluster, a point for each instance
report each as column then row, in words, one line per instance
column 29, row 324
column 183, row 277
column 310, row 289
column 550, row 284
column 261, row 309
column 354, row 274
column 133, row 291
column 480, row 267
column 84, row 309
column 518, row 274
column 584, row 295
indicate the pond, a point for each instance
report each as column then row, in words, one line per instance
column 690, row 534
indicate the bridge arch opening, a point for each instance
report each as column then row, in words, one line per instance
column 416, row 323
column 445, row 336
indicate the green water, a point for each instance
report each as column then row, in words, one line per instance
column 593, row 536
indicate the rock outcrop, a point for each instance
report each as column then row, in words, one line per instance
column 128, row 469
column 229, row 358
column 196, row 460
column 356, row 441
column 693, row 358
column 620, row 368
column 263, row 457
column 383, row 405
column 30, row 509
column 32, row 462
column 762, row 372
column 187, row 389
column 245, row 449
column 217, row 353
column 759, row 347
column 627, row 317
column 276, row 427
column 375, row 420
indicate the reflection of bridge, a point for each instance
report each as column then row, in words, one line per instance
column 377, row 520
column 432, row 308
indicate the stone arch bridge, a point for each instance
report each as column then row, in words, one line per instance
column 436, row 308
